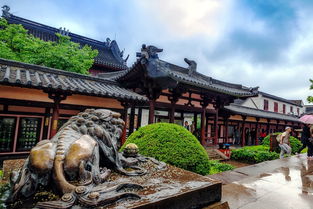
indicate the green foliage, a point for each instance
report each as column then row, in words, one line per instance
column 310, row 98
column 253, row 154
column 17, row 44
column 217, row 167
column 4, row 193
column 294, row 143
column 172, row 144
column 260, row 153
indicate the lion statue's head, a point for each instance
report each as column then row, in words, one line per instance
column 101, row 124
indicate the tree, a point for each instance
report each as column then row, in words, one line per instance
column 17, row 44
column 310, row 98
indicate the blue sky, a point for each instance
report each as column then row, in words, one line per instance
column 266, row 43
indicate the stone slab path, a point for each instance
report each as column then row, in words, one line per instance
column 277, row 184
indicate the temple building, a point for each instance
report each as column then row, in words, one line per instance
column 35, row 100
column 109, row 58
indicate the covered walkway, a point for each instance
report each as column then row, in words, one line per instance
column 277, row 184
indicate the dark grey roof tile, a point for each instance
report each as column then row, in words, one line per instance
column 34, row 76
column 242, row 110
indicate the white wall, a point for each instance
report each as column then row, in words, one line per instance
column 258, row 102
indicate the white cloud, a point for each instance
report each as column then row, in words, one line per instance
column 228, row 39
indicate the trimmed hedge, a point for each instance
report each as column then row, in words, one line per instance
column 294, row 143
column 172, row 144
column 253, row 154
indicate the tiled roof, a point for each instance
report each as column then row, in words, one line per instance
column 238, row 109
column 308, row 109
column 181, row 75
column 39, row 77
column 109, row 53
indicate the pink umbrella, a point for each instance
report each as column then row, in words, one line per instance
column 307, row 119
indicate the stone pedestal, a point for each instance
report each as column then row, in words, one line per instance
column 171, row 188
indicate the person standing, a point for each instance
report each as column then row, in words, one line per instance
column 305, row 135
column 284, row 142
column 186, row 125
column 310, row 144
column 193, row 127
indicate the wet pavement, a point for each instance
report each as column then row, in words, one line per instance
column 277, row 184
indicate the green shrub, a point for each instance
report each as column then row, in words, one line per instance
column 4, row 193
column 217, row 167
column 172, row 144
column 253, row 154
column 294, row 143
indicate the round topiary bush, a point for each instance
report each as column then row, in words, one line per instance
column 172, row 144
column 294, row 143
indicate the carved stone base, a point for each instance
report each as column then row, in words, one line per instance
column 172, row 188
column 162, row 187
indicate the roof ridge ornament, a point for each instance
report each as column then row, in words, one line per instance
column 63, row 31
column 108, row 42
column 192, row 66
column 149, row 52
column 254, row 90
column 5, row 11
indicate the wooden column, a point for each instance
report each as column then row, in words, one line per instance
column 139, row 117
column 206, row 123
column 46, row 134
column 172, row 113
column 195, row 119
column 125, row 113
column 204, row 103
column 55, row 118
column 226, row 130
column 256, row 131
column 151, row 111
column 243, row 134
column 131, row 120
column 277, row 122
column 173, row 99
column 57, row 98
column 203, row 126
column 216, row 127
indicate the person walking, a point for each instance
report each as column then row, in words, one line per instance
column 284, row 142
column 310, row 144
column 305, row 135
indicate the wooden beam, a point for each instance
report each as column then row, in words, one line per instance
column 185, row 108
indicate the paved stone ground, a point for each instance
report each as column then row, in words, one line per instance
column 277, row 184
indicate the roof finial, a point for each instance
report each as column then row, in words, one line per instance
column 63, row 31
column 192, row 66
column 5, row 11
column 108, row 42
column 149, row 52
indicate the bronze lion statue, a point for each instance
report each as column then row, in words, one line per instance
column 76, row 162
